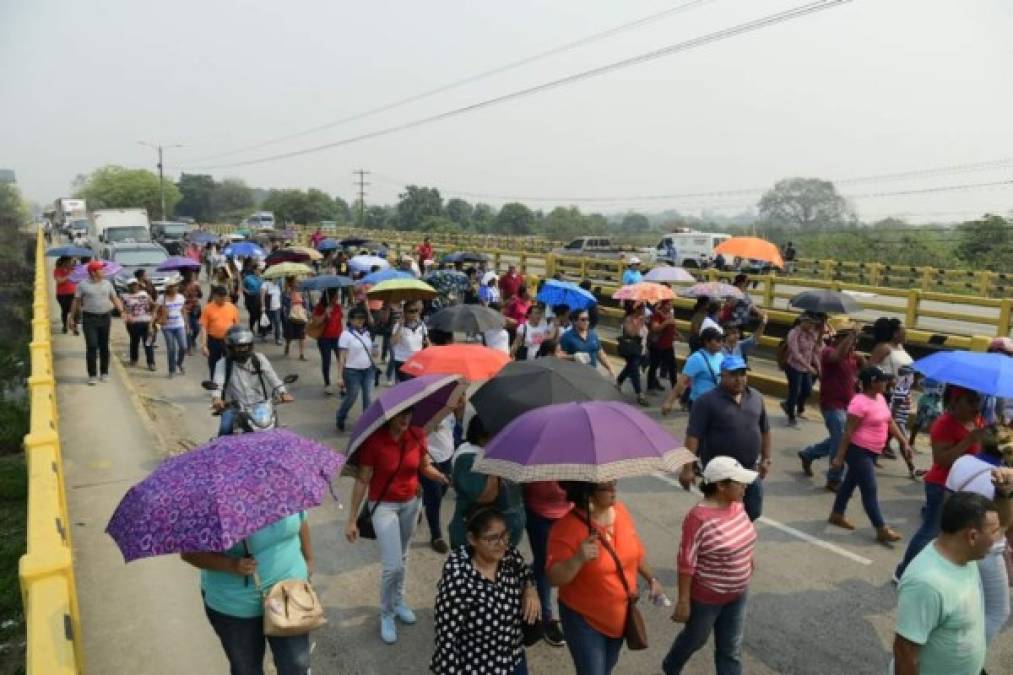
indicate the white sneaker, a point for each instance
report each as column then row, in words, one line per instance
column 328, row 390
column 103, row 378
column 92, row 381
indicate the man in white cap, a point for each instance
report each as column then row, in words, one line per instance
column 632, row 275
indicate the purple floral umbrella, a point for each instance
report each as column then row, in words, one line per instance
column 80, row 273
column 431, row 397
column 593, row 441
column 214, row 496
column 178, row 262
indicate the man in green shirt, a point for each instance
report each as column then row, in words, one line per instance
column 940, row 609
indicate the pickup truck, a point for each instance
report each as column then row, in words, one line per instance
column 590, row 247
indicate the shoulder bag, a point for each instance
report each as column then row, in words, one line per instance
column 365, row 520
column 316, row 326
column 291, row 607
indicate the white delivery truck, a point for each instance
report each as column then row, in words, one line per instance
column 688, row 249
column 111, row 226
column 67, row 210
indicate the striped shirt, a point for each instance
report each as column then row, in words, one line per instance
column 717, row 550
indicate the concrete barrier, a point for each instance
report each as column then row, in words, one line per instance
column 46, row 570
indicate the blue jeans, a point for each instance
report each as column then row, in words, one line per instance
column 356, row 380
column 244, row 642
column 727, row 623
column 275, row 316
column 861, row 474
column 175, row 346
column 225, row 422
column 593, row 653
column 327, row 346
column 193, row 323
column 432, row 496
column 538, row 536
column 929, row 530
column 835, row 421
column 394, row 523
column 800, row 385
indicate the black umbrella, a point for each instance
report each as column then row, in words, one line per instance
column 466, row 319
column 466, row 256
column 284, row 255
column 825, row 302
column 525, row 385
column 353, row 241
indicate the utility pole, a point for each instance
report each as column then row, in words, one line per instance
column 161, row 175
column 361, row 183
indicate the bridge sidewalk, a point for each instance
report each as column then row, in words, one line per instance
column 145, row 617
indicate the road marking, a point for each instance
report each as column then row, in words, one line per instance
column 787, row 529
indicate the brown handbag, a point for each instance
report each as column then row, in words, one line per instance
column 634, row 630
column 315, row 327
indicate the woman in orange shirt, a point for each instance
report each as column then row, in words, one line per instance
column 592, row 596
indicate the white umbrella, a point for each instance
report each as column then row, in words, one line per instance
column 365, row 263
column 668, row 274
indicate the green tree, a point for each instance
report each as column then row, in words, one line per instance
column 986, row 243
column 342, row 212
column 232, row 199
column 379, row 217
column 12, row 212
column 416, row 204
column 514, row 218
column 805, row 203
column 459, row 211
column 197, row 192
column 115, row 187
column 482, row 217
column 635, row 223
column 319, row 206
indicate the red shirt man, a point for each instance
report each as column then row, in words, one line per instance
column 425, row 252
column 510, row 282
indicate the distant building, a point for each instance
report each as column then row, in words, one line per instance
column 7, row 176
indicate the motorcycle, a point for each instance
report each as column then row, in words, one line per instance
column 251, row 418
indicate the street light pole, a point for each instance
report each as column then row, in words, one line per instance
column 161, row 175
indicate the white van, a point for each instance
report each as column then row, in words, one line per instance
column 261, row 220
column 689, row 249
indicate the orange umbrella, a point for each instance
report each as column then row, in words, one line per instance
column 473, row 362
column 645, row 291
column 751, row 247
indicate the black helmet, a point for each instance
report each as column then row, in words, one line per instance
column 239, row 343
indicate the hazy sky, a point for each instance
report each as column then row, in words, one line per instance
column 868, row 88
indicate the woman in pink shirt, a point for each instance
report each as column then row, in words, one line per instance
column 868, row 426
column 803, row 365
column 545, row 502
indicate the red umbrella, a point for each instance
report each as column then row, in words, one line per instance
column 473, row 362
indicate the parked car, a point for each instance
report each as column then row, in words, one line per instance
column 135, row 256
column 592, row 246
column 171, row 235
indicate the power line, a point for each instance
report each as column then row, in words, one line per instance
column 589, row 39
column 740, row 29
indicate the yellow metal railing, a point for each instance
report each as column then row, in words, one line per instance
column 48, row 590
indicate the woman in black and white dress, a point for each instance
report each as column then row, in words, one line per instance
column 485, row 584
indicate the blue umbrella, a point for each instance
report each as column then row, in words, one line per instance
column 384, row 275
column 990, row 374
column 328, row 245
column 324, row 281
column 243, row 249
column 202, row 237
column 567, row 293
column 69, row 251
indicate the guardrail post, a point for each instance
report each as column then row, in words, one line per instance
column 550, row 265
column 768, row 289
column 828, row 269
column 523, row 264
column 583, row 268
column 1002, row 327
column 984, row 283
column 914, row 297
column 928, row 274
column 875, row 273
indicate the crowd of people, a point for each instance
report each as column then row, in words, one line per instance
column 588, row 560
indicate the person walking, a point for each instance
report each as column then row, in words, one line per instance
column 409, row 336
column 442, row 441
column 661, row 346
column 192, row 295
column 270, row 301
column 956, row 433
column 328, row 313
column 424, row 251
column 940, row 608
column 596, row 574
column 632, row 274
column 715, row 565
column 484, row 584
column 145, row 283
column 733, row 344
column 890, row 355
column 545, row 503
column 631, row 348
column 510, row 285
column 218, row 317
column 701, row 371
column 356, row 364
column 581, row 343
column 389, row 464
column 730, row 420
column 64, row 289
column 234, row 605
column 170, row 315
column 802, row 366
column 95, row 298
column 839, row 365
column 293, row 309
column 251, row 294
column 530, row 335
column 137, row 306
column 866, row 430
column 989, row 474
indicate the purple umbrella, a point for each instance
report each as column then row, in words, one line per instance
column 593, row 441
column 430, row 396
column 178, row 262
column 214, row 496
column 80, row 273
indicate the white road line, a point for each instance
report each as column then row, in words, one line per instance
column 787, row 529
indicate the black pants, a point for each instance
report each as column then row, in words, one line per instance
column 65, row 301
column 253, row 309
column 216, row 350
column 632, row 371
column 138, row 332
column 665, row 360
column 96, row 340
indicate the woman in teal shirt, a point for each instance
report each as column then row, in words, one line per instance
column 472, row 487
column 233, row 602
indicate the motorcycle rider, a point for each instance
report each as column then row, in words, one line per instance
column 243, row 376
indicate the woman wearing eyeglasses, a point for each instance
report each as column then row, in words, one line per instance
column 581, row 344
column 485, row 594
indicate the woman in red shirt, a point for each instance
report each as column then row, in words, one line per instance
column 64, row 287
column 328, row 311
column 390, row 462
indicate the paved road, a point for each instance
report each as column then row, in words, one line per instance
column 821, row 600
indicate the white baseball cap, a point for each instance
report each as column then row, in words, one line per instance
column 727, row 468
column 634, row 260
